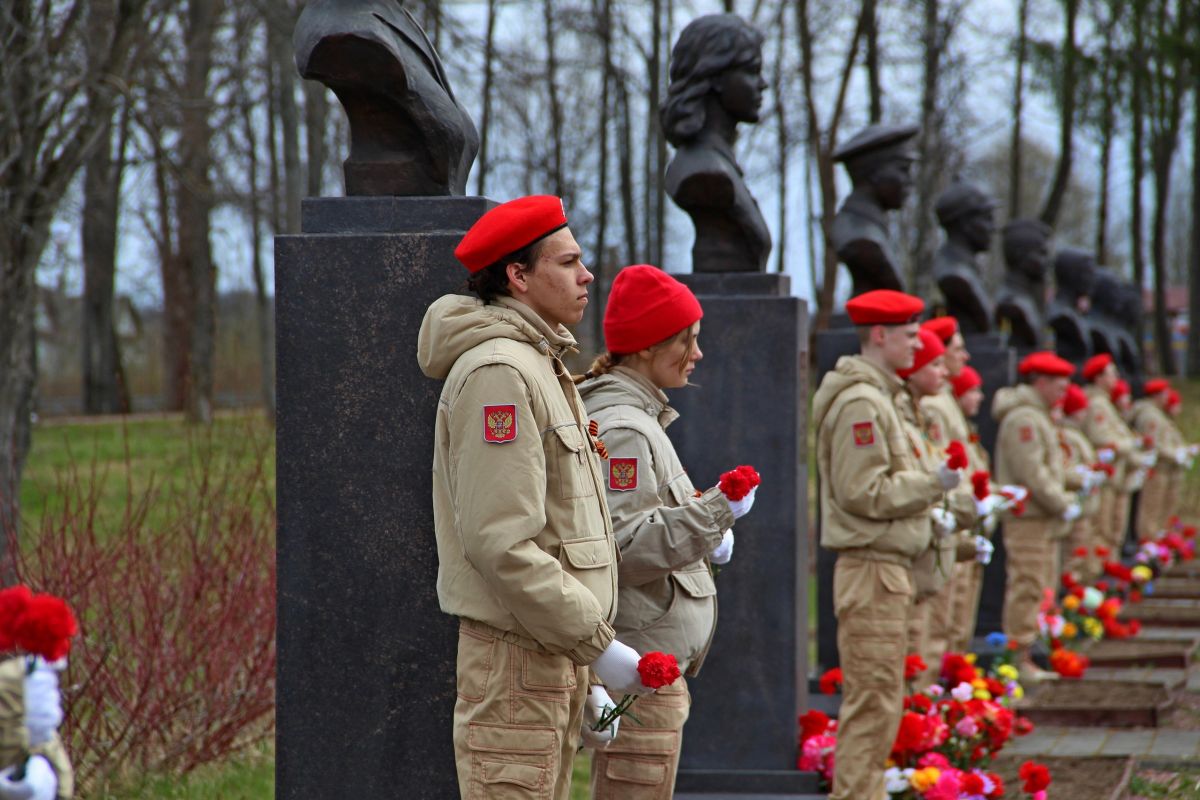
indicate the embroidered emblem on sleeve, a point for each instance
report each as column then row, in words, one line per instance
column 864, row 434
column 1026, row 433
column 499, row 423
column 622, row 474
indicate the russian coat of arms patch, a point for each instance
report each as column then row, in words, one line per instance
column 499, row 423
column 622, row 474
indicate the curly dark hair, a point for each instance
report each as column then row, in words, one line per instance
column 492, row 281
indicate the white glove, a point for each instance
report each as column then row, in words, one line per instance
column 1072, row 513
column 1018, row 493
column 984, row 550
column 1181, row 456
column 1150, row 459
column 1091, row 479
column 950, row 478
column 724, row 551
column 1136, row 480
column 617, row 668
column 988, row 505
column 39, row 783
column 43, row 704
column 597, row 701
column 944, row 523
column 741, row 508
column 1106, row 455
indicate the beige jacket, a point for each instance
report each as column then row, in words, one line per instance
column 664, row 528
column 944, row 423
column 1150, row 420
column 14, row 737
column 874, row 492
column 1028, row 453
column 1104, row 427
column 1080, row 453
column 524, row 541
column 932, row 568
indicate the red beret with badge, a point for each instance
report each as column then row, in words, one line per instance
column 1155, row 386
column 510, row 227
column 931, row 348
column 966, row 380
column 1095, row 365
column 944, row 327
column 884, row 307
column 1044, row 362
column 1119, row 390
column 1074, row 400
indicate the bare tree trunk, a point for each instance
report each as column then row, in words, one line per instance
column 489, row 54
column 625, row 159
column 556, row 117
column 316, row 117
column 649, row 178
column 1193, row 335
column 782, row 137
column 658, row 177
column 1137, row 159
column 1062, row 173
column 280, row 23
column 928, row 164
column 603, row 14
column 1106, row 140
column 874, row 90
column 1014, row 164
column 177, row 300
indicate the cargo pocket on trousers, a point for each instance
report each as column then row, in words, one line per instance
column 634, row 778
column 568, row 455
column 476, row 654
column 511, row 762
column 543, row 672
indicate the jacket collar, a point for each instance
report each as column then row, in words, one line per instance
column 555, row 341
column 653, row 400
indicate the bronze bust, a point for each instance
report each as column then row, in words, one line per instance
column 1021, row 304
column 716, row 83
column 879, row 160
column 965, row 212
column 1115, row 309
column 408, row 134
column 1074, row 277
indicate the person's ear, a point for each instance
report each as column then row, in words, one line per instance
column 518, row 280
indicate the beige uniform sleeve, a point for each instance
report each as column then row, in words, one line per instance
column 1105, row 429
column 500, row 506
column 961, row 502
column 1026, row 457
column 862, row 480
column 655, row 540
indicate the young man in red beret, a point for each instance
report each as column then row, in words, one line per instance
column 1159, row 434
column 876, row 513
column 527, row 558
column 1116, row 445
column 1028, row 453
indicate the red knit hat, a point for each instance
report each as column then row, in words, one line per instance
column 1074, row 400
column 1119, row 390
column 510, row 227
column 944, row 327
column 1095, row 365
column 1174, row 399
column 884, row 307
column 931, row 348
column 966, row 380
column 1155, row 386
column 645, row 306
column 1046, row 363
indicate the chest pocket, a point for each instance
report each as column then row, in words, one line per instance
column 567, row 461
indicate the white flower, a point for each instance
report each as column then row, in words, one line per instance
column 894, row 780
column 963, row 692
column 1092, row 598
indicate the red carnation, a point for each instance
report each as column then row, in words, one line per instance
column 45, row 627
column 735, row 485
column 997, row 783
column 979, row 480
column 1023, row 726
column 750, row 473
column 956, row 455
column 831, row 681
column 1107, row 469
column 13, row 602
column 1035, row 775
column 919, row 703
column 1102, row 552
column 1068, row 664
column 658, row 670
column 813, row 723
column 913, row 666
column 971, row 784
column 1068, row 580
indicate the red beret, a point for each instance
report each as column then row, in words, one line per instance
column 1155, row 386
column 966, row 380
column 645, row 306
column 1120, row 389
column 931, row 348
column 510, row 227
column 1046, row 363
column 1095, row 365
column 1174, row 399
column 1074, row 400
column 884, row 307
column 944, row 327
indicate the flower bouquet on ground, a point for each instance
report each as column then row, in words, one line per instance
column 657, row 670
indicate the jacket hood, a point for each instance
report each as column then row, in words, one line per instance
column 626, row 387
column 849, row 371
column 1013, row 397
column 456, row 323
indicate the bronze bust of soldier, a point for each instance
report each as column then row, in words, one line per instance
column 1110, row 320
column 1074, row 277
column 879, row 160
column 965, row 212
column 1021, row 305
column 408, row 134
column 716, row 83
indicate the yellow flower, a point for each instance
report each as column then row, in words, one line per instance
column 969, row 658
column 979, row 683
column 1070, row 602
column 924, row 779
column 983, row 694
column 1070, row 631
column 1093, row 627
column 1142, row 573
column 1008, row 672
column 1018, row 692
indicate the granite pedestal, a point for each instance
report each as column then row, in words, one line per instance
column 750, row 407
column 366, row 670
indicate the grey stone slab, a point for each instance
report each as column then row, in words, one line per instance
column 1041, row 741
column 1160, row 677
column 1176, row 743
column 752, row 411
column 742, row 782
column 1168, row 634
column 1080, row 742
column 361, row 214
column 1128, row 743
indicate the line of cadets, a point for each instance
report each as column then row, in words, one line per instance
column 897, row 510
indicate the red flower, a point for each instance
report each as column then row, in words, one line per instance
column 1147, row 442
column 1107, row 469
column 1068, row 580
column 913, row 666
column 919, row 703
column 956, row 669
column 1068, row 664
column 995, row 687
column 658, row 670
column 956, row 455
column 1118, row 571
column 734, row 485
column 971, row 783
column 912, row 738
column 1035, row 775
column 1102, row 585
column 13, row 602
column 1102, row 551
column 1135, row 596
column 750, row 473
column 979, row 480
column 45, row 627
column 1023, row 726
column 831, row 681
column 813, row 723
column 998, row 783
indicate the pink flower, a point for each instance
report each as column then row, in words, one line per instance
column 934, row 760
column 947, row 786
column 1040, row 795
column 817, row 755
column 967, row 727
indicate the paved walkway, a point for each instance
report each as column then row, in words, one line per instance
column 1048, row 740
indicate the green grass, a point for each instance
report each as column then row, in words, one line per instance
column 1156, row 785
column 250, row 777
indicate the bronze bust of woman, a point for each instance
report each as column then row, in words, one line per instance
column 716, row 83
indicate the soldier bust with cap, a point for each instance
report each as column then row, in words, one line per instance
column 1021, row 306
column 879, row 161
column 876, row 503
column 1074, row 277
column 526, row 554
column 965, row 212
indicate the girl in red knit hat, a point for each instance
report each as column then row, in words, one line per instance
column 668, row 532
